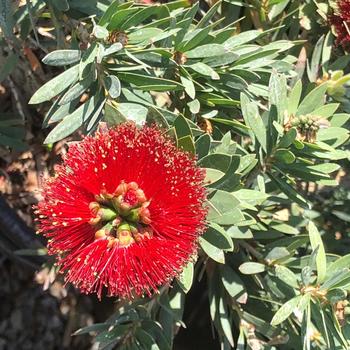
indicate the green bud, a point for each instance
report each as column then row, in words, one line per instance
column 134, row 215
column 337, row 74
column 303, row 119
column 106, row 214
column 124, row 226
column 295, row 122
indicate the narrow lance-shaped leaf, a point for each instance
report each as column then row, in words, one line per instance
column 316, row 243
column 62, row 57
column 56, row 85
column 285, row 311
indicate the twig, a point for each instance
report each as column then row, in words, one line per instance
column 251, row 250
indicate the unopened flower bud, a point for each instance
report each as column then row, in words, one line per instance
column 100, row 234
column 134, row 215
column 94, row 208
column 145, row 215
column 140, row 196
column 133, row 186
column 121, row 189
column 106, row 214
column 105, row 231
column 125, row 238
column 124, row 207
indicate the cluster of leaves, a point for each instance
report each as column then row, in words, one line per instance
column 270, row 137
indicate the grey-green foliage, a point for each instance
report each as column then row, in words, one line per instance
column 263, row 136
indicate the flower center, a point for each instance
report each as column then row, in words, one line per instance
column 121, row 217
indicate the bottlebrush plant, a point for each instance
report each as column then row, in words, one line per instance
column 206, row 154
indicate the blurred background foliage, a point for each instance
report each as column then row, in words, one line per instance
column 259, row 91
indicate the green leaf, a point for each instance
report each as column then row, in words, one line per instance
column 194, row 38
column 113, row 86
column 113, row 116
column 146, row 340
column 288, row 138
column 57, row 112
column 277, row 254
column 223, row 209
column 138, row 17
column 186, row 277
column 100, row 32
column 208, row 15
column 225, row 321
column 207, row 50
column 189, row 86
column 252, row 268
column 144, row 35
column 294, row 98
column 149, row 83
column 217, row 161
column 335, row 281
column 6, row 18
column 242, row 38
column 333, row 136
column 194, row 106
column 285, row 310
column 316, row 243
column 120, row 16
column 112, row 8
column 9, row 65
column 97, row 327
column 252, row 197
column 313, row 68
column 327, row 110
column 182, row 127
column 186, row 143
column 157, row 332
column 111, row 49
column 278, row 95
column 232, row 282
column 76, row 90
column 304, row 302
column 284, row 156
column 231, row 179
column 338, row 265
column 239, row 232
column 73, row 121
column 313, row 100
column 284, row 228
column 55, row 86
column 204, row 69
column 96, row 116
column 218, row 237
column 133, row 111
column 156, row 117
column 339, row 119
column 213, row 252
column 88, row 58
column 289, row 191
column 61, row 5
column 253, row 120
column 203, row 145
column 287, row 276
column 234, row 124
column 326, row 168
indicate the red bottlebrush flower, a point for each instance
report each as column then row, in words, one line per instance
column 341, row 22
column 124, row 211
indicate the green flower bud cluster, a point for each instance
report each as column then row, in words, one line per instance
column 306, row 123
column 336, row 82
